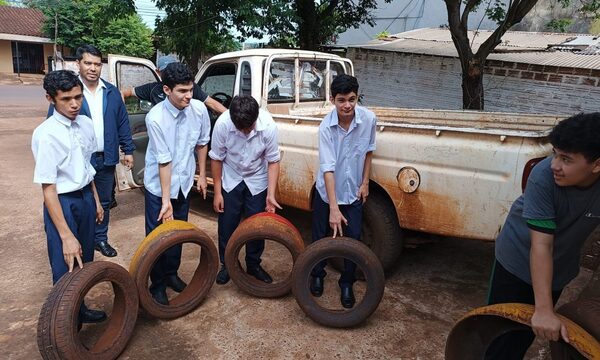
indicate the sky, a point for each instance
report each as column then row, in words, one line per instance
column 148, row 11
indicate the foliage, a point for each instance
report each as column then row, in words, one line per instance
column 382, row 35
column 559, row 25
column 595, row 27
column 111, row 25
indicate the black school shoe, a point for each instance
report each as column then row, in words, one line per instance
column 316, row 286
column 105, row 249
column 223, row 276
column 347, row 296
column 175, row 283
column 259, row 273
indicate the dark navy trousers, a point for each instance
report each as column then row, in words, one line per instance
column 168, row 263
column 321, row 229
column 104, row 180
column 507, row 288
column 237, row 202
column 79, row 209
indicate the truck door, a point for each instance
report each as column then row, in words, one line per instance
column 126, row 72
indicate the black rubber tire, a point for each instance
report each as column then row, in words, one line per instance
column 154, row 245
column 342, row 247
column 57, row 333
column 258, row 227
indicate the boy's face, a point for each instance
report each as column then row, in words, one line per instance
column 573, row 169
column 67, row 103
column 90, row 67
column 344, row 104
column 180, row 95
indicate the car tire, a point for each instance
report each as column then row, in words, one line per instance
column 258, row 227
column 350, row 249
column 57, row 333
column 169, row 234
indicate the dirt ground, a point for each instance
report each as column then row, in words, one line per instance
column 434, row 283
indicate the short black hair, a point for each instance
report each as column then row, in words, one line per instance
column 344, row 84
column 243, row 111
column 578, row 134
column 89, row 49
column 60, row 80
column 175, row 74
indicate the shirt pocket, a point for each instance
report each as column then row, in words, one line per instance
column 193, row 139
column 359, row 148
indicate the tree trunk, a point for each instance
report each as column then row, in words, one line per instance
column 308, row 31
column 472, row 85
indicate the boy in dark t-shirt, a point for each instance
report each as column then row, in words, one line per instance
column 538, row 250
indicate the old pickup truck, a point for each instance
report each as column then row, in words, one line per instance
column 452, row 173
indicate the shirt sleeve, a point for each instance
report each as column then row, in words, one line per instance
column 218, row 148
column 198, row 94
column 204, row 137
column 372, row 137
column 142, row 92
column 327, row 158
column 272, row 153
column 538, row 198
column 47, row 157
column 157, row 140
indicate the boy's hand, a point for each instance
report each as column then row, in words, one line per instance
column 99, row 213
column 335, row 221
column 272, row 204
column 128, row 161
column 166, row 212
column 363, row 192
column 548, row 326
column 72, row 251
column 202, row 186
column 218, row 203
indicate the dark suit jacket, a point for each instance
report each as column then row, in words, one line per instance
column 116, row 124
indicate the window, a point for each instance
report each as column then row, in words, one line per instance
column 219, row 80
column 336, row 69
column 246, row 79
column 281, row 81
column 312, row 80
column 130, row 75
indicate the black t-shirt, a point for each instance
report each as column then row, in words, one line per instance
column 154, row 93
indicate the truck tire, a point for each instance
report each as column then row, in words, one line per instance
column 261, row 226
column 342, row 247
column 154, row 245
column 57, row 333
column 380, row 232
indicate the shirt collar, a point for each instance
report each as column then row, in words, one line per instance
column 100, row 86
column 63, row 119
column 172, row 109
column 334, row 121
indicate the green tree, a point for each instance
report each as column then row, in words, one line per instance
column 3, row 3
column 111, row 25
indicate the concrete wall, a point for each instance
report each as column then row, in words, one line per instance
column 423, row 81
column 6, row 62
column 48, row 51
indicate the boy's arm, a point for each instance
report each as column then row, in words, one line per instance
column 99, row 208
column 166, row 210
column 70, row 245
column 216, row 168
column 335, row 215
column 201, row 152
column 273, row 176
column 545, row 323
column 363, row 190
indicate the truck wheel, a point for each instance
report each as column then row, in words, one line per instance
column 57, row 333
column 342, row 247
column 262, row 226
column 154, row 245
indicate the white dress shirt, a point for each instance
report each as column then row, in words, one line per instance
column 245, row 157
column 62, row 149
column 343, row 153
column 173, row 135
column 95, row 101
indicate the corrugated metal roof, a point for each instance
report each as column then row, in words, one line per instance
column 516, row 46
column 21, row 21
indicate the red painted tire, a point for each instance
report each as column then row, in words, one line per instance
column 154, row 245
column 350, row 249
column 57, row 333
column 258, row 227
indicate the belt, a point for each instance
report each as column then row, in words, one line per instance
column 78, row 193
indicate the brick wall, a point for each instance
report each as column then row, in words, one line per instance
column 424, row 81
